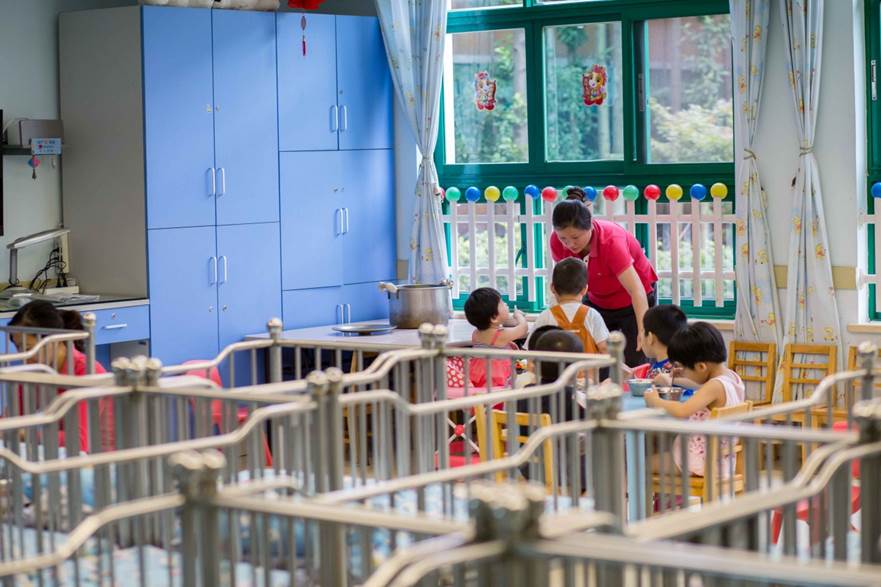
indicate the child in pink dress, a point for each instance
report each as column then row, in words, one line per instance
column 698, row 350
column 486, row 311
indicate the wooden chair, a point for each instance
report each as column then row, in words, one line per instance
column 498, row 434
column 798, row 372
column 698, row 485
column 852, row 392
column 755, row 370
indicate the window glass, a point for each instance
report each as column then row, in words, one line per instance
column 485, row 97
column 583, row 97
column 689, row 90
column 465, row 4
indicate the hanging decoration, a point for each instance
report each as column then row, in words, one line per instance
column 593, row 84
column 33, row 163
column 484, row 91
column 304, row 5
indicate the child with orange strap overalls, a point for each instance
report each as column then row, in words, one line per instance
column 569, row 284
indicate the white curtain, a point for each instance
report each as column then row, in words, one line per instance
column 811, row 310
column 758, row 306
column 415, row 32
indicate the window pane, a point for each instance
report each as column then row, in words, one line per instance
column 485, row 97
column 458, row 4
column 689, row 90
column 583, row 92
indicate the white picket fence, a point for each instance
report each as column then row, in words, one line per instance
column 708, row 215
column 867, row 277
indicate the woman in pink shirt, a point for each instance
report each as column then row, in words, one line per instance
column 43, row 315
column 620, row 279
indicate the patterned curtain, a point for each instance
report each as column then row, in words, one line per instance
column 758, row 307
column 415, row 32
column 811, row 310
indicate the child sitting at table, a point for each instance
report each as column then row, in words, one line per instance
column 659, row 325
column 569, row 284
column 699, row 351
column 486, row 311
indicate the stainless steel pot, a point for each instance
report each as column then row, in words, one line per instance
column 411, row 306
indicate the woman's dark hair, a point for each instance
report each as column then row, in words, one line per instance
column 42, row 314
column 664, row 322
column 482, row 306
column 697, row 343
column 557, row 341
column 574, row 211
column 538, row 332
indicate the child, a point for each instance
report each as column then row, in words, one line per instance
column 700, row 351
column 43, row 315
column 486, row 311
column 569, row 284
column 659, row 325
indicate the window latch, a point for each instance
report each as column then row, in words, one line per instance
column 874, row 64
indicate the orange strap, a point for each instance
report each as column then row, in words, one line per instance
column 576, row 326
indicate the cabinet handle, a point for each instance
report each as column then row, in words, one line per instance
column 348, row 313
column 334, row 118
column 115, row 326
column 338, row 222
column 213, row 261
column 339, row 313
column 345, row 111
column 222, row 181
column 213, row 173
column 346, row 217
column 225, row 268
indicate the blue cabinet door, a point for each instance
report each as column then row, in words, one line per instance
column 245, row 117
column 307, row 111
column 364, row 302
column 312, row 307
column 178, row 117
column 369, row 213
column 311, row 220
column 183, row 294
column 249, row 285
column 364, row 85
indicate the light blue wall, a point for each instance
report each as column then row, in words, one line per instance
column 29, row 89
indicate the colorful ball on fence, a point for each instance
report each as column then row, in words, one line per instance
column 610, row 193
column 652, row 192
column 630, row 192
column 876, row 189
column 719, row 190
column 532, row 191
column 472, row 194
column 549, row 194
column 453, row 194
column 698, row 191
column 590, row 193
column 673, row 192
column 509, row 194
column 492, row 194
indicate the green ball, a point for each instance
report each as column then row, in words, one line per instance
column 630, row 192
column 510, row 194
column 453, row 194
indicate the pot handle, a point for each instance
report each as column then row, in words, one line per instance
column 391, row 288
column 448, row 283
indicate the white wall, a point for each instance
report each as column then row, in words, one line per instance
column 29, row 89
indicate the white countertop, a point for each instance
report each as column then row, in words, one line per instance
column 108, row 303
column 459, row 335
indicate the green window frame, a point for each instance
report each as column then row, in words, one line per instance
column 873, row 135
column 634, row 169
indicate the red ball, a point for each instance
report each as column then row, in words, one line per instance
column 610, row 193
column 549, row 194
column 652, row 192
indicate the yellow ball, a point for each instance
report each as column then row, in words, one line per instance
column 492, row 194
column 673, row 192
column 719, row 190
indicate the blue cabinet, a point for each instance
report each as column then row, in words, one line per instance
column 364, row 85
column 178, row 120
column 339, row 95
column 184, row 273
column 245, row 117
column 249, row 282
column 368, row 200
column 365, row 302
column 122, row 324
column 320, row 306
column 307, row 108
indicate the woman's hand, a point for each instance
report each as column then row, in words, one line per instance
column 630, row 281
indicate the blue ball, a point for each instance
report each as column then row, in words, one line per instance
column 698, row 191
column 876, row 189
column 472, row 194
column 590, row 193
column 532, row 191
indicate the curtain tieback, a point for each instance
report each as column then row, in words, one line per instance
column 748, row 154
column 805, row 149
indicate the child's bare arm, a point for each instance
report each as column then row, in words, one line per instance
column 603, row 347
column 704, row 397
column 515, row 332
